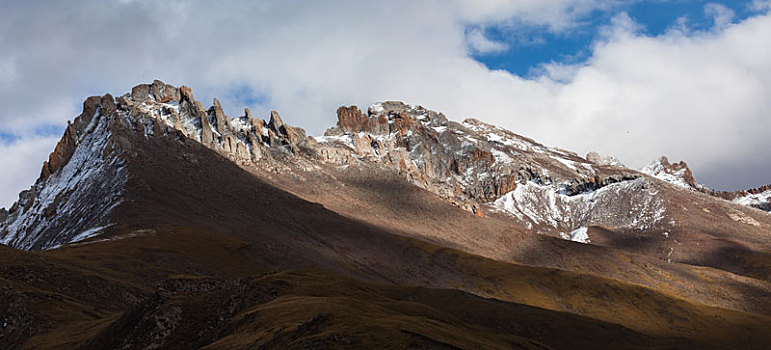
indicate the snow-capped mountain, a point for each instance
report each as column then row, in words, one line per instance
column 678, row 174
column 476, row 166
column 157, row 222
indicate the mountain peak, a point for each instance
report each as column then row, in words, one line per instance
column 78, row 187
column 82, row 181
column 75, row 131
column 679, row 174
column 599, row 159
column 675, row 173
column 160, row 92
column 474, row 165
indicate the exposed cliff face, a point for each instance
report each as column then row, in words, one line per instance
column 81, row 183
column 78, row 187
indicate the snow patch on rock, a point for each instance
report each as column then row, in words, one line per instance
column 72, row 201
column 658, row 170
column 755, row 200
column 346, row 140
column 631, row 204
column 579, row 235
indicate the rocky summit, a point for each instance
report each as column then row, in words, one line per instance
column 159, row 223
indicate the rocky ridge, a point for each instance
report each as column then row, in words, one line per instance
column 481, row 167
column 476, row 166
column 680, row 174
column 469, row 163
column 81, row 182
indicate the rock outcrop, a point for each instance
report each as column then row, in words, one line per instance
column 245, row 138
column 677, row 174
column 351, row 120
column 74, row 131
column 599, row 159
column 62, row 152
column 469, row 163
column 680, row 174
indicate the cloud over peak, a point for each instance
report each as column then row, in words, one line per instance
column 698, row 95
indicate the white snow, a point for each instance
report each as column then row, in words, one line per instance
column 657, row 170
column 579, row 235
column 164, row 111
column 192, row 126
column 440, row 129
column 87, row 234
column 346, row 140
column 377, row 108
column 568, row 163
column 630, row 204
column 467, row 139
column 76, row 179
column 501, row 157
column 241, row 124
column 92, row 232
column 754, row 199
column 494, row 137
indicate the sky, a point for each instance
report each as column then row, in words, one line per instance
column 632, row 79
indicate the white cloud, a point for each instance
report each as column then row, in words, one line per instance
column 557, row 15
column 481, row 44
column 760, row 5
column 8, row 74
column 702, row 97
column 699, row 96
column 721, row 15
column 15, row 156
column 621, row 27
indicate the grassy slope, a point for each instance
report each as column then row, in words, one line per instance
column 100, row 281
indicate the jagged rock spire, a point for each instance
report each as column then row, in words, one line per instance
column 74, row 131
column 219, row 120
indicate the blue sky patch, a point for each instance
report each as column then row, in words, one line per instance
column 8, row 137
column 528, row 48
column 247, row 96
column 47, row 130
column 50, row 130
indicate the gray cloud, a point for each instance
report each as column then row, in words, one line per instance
column 702, row 97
